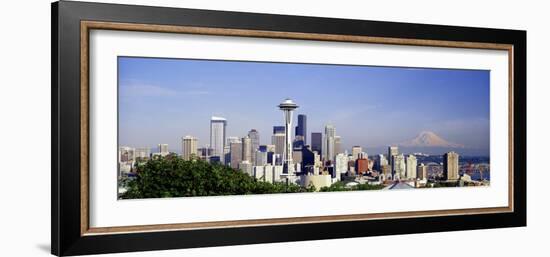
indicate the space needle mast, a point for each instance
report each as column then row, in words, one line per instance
column 288, row 106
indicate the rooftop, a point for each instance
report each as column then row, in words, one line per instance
column 215, row 118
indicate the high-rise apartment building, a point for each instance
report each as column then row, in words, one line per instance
column 450, row 166
column 392, row 151
column 189, row 147
column 411, row 166
column 422, row 171
column 163, row 149
column 399, row 166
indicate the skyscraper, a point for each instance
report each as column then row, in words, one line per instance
column 246, row 149
column 261, row 158
column 227, row 148
column 450, row 166
column 411, row 166
column 254, row 136
column 298, row 142
column 288, row 106
column 301, row 129
column 392, row 151
column 217, row 135
column 399, row 166
column 189, row 147
column 278, row 140
column 236, row 153
column 328, row 143
column 337, row 145
column 278, row 130
column 382, row 161
column 316, row 142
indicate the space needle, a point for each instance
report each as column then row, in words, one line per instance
column 287, row 106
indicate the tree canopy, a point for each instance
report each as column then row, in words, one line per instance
column 175, row 177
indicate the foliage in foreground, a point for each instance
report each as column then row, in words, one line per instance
column 175, row 177
column 340, row 186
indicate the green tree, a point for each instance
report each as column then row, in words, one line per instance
column 175, row 177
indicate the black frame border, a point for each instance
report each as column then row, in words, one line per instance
column 66, row 236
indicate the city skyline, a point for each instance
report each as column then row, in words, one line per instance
column 163, row 100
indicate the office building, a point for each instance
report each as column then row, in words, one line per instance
column 450, row 166
column 338, row 145
column 298, row 143
column 328, row 143
column 316, row 142
column 254, row 136
column 392, row 151
column 227, row 149
column 246, row 149
column 301, row 129
column 217, row 135
column 278, row 130
column 235, row 153
column 261, row 158
column 278, row 140
column 189, row 147
column 308, row 158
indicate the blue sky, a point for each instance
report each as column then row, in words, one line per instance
column 161, row 100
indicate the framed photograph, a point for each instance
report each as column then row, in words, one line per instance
column 178, row 128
